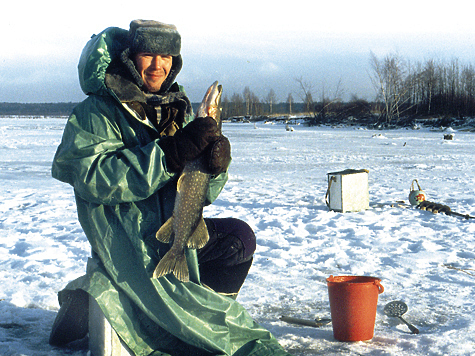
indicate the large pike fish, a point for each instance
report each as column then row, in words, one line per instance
column 186, row 226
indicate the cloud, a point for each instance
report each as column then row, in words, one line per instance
column 269, row 69
column 45, row 80
column 261, row 46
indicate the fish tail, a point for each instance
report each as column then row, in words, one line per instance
column 200, row 236
column 164, row 234
column 173, row 264
column 181, row 269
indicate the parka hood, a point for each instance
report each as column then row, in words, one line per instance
column 102, row 49
column 96, row 57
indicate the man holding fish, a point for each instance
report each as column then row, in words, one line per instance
column 142, row 168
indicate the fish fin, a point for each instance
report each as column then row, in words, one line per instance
column 173, row 264
column 164, row 234
column 200, row 236
column 181, row 269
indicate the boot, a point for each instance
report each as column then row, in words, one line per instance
column 72, row 321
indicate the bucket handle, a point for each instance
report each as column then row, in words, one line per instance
column 332, row 179
column 379, row 285
column 418, row 186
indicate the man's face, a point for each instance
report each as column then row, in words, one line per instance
column 153, row 68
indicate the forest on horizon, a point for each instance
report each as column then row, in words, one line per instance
column 404, row 92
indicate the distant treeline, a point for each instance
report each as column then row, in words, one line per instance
column 405, row 92
column 65, row 109
column 423, row 88
column 36, row 109
column 43, row 109
column 354, row 112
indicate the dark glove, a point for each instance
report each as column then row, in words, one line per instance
column 219, row 156
column 189, row 142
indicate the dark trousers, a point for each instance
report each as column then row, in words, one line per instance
column 225, row 260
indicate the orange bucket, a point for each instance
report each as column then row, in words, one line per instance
column 353, row 301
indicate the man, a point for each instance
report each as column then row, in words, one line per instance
column 122, row 151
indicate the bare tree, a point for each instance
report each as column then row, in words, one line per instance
column 290, row 101
column 306, row 95
column 468, row 87
column 428, row 78
column 247, row 99
column 256, row 107
column 226, row 106
column 271, row 98
column 391, row 84
column 236, row 106
column 326, row 101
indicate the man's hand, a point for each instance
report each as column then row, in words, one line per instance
column 201, row 136
column 219, row 156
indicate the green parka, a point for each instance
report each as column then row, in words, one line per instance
column 124, row 193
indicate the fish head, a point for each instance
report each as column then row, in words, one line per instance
column 211, row 103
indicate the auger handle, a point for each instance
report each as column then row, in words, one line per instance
column 412, row 327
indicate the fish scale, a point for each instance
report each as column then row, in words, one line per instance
column 186, row 227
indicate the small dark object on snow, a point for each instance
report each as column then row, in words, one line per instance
column 440, row 208
column 434, row 207
column 397, row 309
column 313, row 323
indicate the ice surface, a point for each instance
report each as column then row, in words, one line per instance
column 277, row 184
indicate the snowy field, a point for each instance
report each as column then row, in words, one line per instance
column 277, row 184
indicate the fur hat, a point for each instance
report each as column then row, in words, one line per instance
column 148, row 36
column 151, row 36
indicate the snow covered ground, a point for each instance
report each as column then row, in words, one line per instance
column 277, row 184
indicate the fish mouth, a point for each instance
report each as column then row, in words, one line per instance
column 210, row 105
column 216, row 91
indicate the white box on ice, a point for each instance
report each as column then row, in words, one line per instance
column 348, row 190
column 103, row 340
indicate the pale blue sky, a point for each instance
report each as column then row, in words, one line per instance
column 259, row 44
